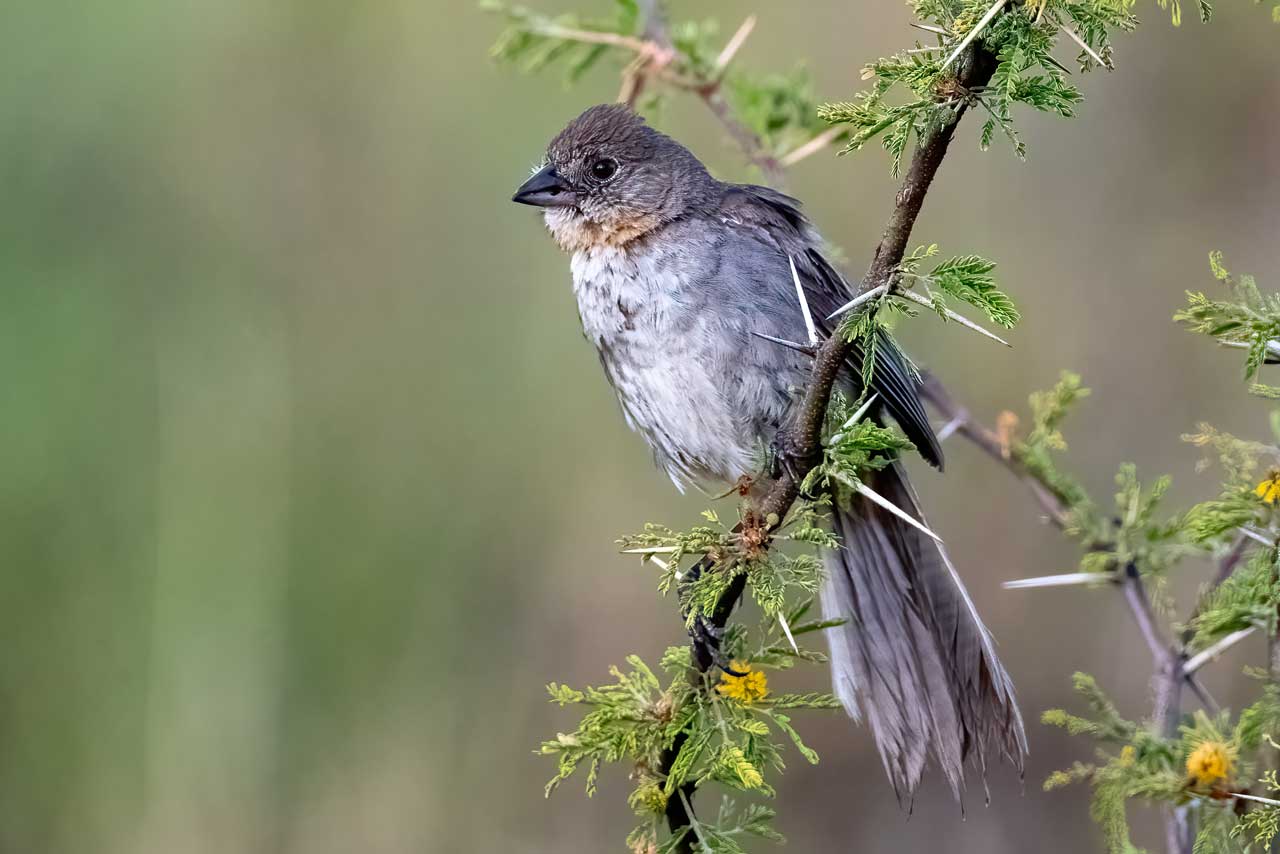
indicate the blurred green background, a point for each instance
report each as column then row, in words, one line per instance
column 310, row 482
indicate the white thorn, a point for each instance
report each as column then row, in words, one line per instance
column 1271, row 801
column 793, row 345
column 1198, row 660
column 862, row 410
column 951, row 315
column 735, row 43
column 1075, row 37
column 1256, row 535
column 1273, row 346
column 786, row 630
column 1056, row 580
column 662, row 564
column 950, row 427
column 876, row 497
column 859, row 300
column 973, row 34
column 650, row 550
column 804, row 303
column 813, row 146
column 930, row 29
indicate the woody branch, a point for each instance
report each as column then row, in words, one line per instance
column 802, row 440
column 1171, row 667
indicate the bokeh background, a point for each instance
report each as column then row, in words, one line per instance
column 310, row 482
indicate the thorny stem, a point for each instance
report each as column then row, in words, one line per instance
column 656, row 33
column 1169, row 657
column 803, row 436
column 975, row 67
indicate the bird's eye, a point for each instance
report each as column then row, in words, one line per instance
column 604, row 169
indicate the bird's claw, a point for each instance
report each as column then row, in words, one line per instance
column 784, row 456
column 707, row 638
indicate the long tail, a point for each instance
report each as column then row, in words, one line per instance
column 914, row 656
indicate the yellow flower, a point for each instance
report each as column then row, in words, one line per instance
column 752, row 686
column 1128, row 754
column 1269, row 489
column 1210, row 762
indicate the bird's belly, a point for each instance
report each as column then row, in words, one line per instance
column 674, row 370
column 680, row 407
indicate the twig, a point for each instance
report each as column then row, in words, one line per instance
column 555, row 31
column 804, row 434
column 752, row 148
column 1172, row 670
column 1135, row 594
column 987, row 441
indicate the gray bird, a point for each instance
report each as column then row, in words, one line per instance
column 676, row 276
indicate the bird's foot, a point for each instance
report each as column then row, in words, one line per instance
column 707, row 638
column 785, row 456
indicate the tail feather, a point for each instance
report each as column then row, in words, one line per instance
column 914, row 655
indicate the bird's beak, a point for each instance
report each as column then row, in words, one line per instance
column 546, row 189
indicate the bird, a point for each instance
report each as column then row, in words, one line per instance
column 681, row 280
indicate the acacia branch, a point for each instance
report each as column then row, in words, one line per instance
column 803, row 437
column 1170, row 665
column 658, row 38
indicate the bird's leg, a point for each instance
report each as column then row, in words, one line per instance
column 785, row 456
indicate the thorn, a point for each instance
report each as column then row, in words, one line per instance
column 662, row 564
column 859, row 300
column 951, row 315
column 1273, row 346
column 1256, row 536
column 1057, row 580
column 786, row 630
column 650, row 550
column 1203, row 694
column 973, row 34
column 1243, row 796
column 804, row 303
column 1198, row 660
column 1057, row 65
column 862, row 410
column 950, row 427
column 877, row 498
column 807, row 349
column 928, row 28
column 734, row 44
column 1085, row 47
column 811, row 147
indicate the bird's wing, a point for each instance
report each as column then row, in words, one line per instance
column 776, row 220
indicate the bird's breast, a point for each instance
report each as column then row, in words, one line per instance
column 667, row 356
column 624, row 297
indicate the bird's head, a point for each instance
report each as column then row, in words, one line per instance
column 609, row 179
